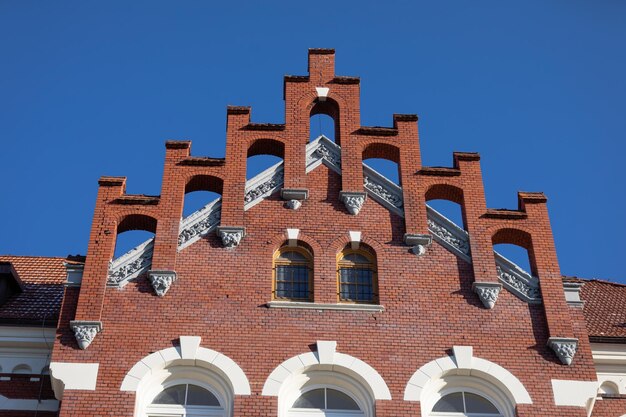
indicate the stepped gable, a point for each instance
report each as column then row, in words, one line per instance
column 42, row 280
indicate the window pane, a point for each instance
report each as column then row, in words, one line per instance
column 199, row 396
column 477, row 404
column 292, row 282
column 451, row 403
column 311, row 399
column 356, row 258
column 171, row 395
column 337, row 400
column 292, row 256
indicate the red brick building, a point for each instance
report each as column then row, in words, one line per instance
column 321, row 288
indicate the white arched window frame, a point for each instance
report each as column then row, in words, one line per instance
column 464, row 372
column 473, row 385
column 185, row 364
column 326, row 368
column 310, row 380
column 182, row 375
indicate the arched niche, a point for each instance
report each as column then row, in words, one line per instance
column 263, row 154
column 516, row 245
column 325, row 114
column 132, row 231
column 200, row 191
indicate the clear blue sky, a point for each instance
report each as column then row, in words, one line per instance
column 91, row 88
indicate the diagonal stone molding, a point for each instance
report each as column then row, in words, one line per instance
column 85, row 331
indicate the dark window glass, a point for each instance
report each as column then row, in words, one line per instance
column 199, row 396
column 171, row 395
column 477, row 404
column 356, row 284
column 292, row 281
column 311, row 399
column 337, row 400
column 451, row 403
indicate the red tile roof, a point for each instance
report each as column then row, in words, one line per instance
column 42, row 281
column 604, row 309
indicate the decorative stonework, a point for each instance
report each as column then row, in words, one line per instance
column 518, row 281
column 418, row 242
column 374, row 184
column 353, row 201
column 447, row 236
column 293, row 204
column 131, row 264
column 264, row 184
column 331, row 155
column 564, row 347
column 487, row 292
column 161, row 281
column 85, row 331
column 199, row 223
column 231, row 235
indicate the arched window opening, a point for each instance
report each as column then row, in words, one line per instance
column 322, row 124
column 127, row 241
column 324, row 120
column 197, row 200
column 465, row 404
column 293, row 274
column 449, row 209
column 357, row 280
column 516, row 254
column 262, row 155
column 325, row 402
column 200, row 191
column 185, row 400
column 258, row 163
column 385, row 167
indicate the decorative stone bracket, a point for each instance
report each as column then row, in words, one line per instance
column 418, row 242
column 231, row 235
column 294, row 197
column 85, row 331
column 487, row 292
column 564, row 347
column 353, row 200
column 161, row 281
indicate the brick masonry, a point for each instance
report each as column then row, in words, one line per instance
column 221, row 293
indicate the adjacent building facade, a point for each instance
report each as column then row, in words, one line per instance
column 321, row 288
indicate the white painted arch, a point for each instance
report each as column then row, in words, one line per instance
column 188, row 354
column 326, row 359
column 427, row 382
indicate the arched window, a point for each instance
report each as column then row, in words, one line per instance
column 293, row 274
column 185, row 400
column 465, row 404
column 356, row 276
column 325, row 402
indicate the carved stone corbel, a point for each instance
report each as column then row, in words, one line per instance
column 85, row 331
column 231, row 235
column 161, row 281
column 487, row 292
column 299, row 194
column 353, row 200
column 564, row 347
column 418, row 242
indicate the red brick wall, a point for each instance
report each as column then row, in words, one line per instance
column 220, row 294
column 610, row 406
